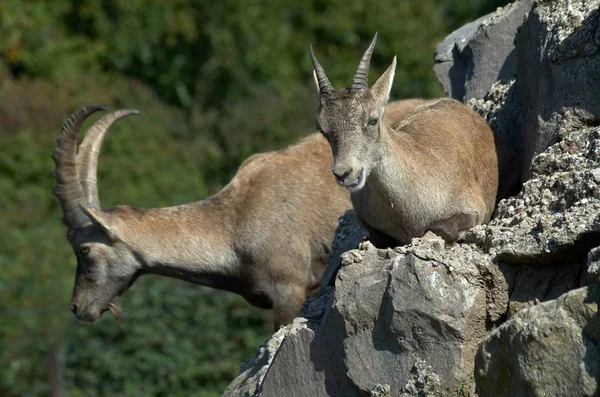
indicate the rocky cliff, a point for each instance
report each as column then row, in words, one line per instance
column 512, row 310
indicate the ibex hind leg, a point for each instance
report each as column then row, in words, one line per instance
column 453, row 228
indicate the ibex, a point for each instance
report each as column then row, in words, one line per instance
column 266, row 236
column 434, row 170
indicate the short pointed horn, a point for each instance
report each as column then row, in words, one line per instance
column 89, row 150
column 360, row 81
column 67, row 188
column 325, row 86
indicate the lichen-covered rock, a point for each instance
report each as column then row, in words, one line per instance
column 423, row 382
column 532, row 284
column 593, row 266
column 558, row 66
column 501, row 109
column 549, row 350
column 399, row 322
column 556, row 216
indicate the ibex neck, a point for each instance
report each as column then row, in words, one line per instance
column 392, row 165
column 190, row 242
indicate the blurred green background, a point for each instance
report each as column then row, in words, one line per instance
column 215, row 81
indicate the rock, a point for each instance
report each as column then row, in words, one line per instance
column 253, row 370
column 450, row 65
column 555, row 50
column 548, row 350
column 380, row 391
column 475, row 56
column 542, row 236
column 558, row 71
column 314, row 306
column 501, row 109
column 349, row 235
column 530, row 285
column 593, row 266
column 293, row 369
column 423, row 382
column 504, row 308
column 399, row 321
column 556, row 216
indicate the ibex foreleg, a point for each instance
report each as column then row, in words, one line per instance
column 454, row 227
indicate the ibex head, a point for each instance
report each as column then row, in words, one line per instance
column 351, row 120
column 106, row 265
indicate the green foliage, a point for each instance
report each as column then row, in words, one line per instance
column 213, row 58
column 180, row 353
column 149, row 160
column 215, row 82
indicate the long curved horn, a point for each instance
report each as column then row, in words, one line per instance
column 89, row 150
column 325, row 86
column 360, row 81
column 67, row 188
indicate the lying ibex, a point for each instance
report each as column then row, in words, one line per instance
column 436, row 170
column 265, row 236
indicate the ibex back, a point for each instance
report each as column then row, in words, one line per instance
column 434, row 170
column 265, row 236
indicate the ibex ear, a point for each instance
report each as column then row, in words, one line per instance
column 382, row 87
column 101, row 219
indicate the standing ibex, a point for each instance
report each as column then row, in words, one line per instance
column 435, row 170
column 265, row 236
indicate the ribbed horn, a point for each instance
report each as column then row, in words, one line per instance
column 360, row 81
column 89, row 150
column 325, row 86
column 67, row 188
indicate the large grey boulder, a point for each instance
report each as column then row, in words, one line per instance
column 556, row 216
column 399, row 322
column 422, row 303
column 450, row 65
column 549, row 350
column 478, row 54
column 541, row 237
column 553, row 58
column 558, row 71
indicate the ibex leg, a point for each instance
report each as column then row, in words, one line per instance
column 453, row 228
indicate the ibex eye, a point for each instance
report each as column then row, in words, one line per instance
column 84, row 250
column 373, row 121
